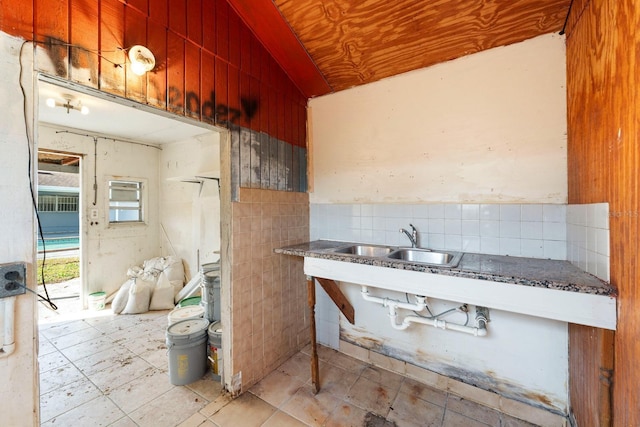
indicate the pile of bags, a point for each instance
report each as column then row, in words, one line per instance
column 150, row 287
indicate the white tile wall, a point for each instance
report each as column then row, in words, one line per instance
column 532, row 230
column 588, row 238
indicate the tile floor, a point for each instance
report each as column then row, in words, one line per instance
column 107, row 370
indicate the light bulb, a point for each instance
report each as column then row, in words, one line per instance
column 51, row 102
column 84, row 110
column 138, row 68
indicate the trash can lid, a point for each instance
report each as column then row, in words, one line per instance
column 188, row 327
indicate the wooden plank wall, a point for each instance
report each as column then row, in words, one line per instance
column 603, row 76
column 209, row 64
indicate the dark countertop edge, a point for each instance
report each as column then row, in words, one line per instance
column 323, row 249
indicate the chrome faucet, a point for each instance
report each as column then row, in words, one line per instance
column 413, row 236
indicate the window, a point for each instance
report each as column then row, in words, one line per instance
column 57, row 203
column 125, row 201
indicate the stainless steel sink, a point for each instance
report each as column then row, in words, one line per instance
column 366, row 250
column 426, row 256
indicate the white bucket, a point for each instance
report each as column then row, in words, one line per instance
column 96, row 300
column 185, row 313
column 187, row 344
column 215, row 350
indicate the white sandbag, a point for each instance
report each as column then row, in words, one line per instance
column 162, row 296
column 174, row 270
column 139, row 297
column 120, row 301
column 135, row 271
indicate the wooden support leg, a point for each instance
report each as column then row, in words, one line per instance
column 315, row 373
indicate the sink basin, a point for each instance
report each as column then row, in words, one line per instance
column 425, row 256
column 366, row 250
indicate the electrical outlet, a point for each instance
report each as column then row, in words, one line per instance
column 13, row 279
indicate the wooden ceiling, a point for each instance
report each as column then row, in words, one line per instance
column 330, row 45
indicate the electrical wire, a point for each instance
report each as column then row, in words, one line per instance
column 31, row 184
column 97, row 52
column 437, row 316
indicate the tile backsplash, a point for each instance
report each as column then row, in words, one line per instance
column 530, row 230
column 578, row 233
column 588, row 238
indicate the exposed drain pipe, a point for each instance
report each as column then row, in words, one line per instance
column 421, row 302
column 482, row 315
column 7, row 317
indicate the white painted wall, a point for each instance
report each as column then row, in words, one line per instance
column 19, row 385
column 190, row 213
column 488, row 127
column 111, row 249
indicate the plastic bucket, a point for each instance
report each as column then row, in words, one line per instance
column 96, row 300
column 215, row 350
column 187, row 344
column 189, row 301
column 210, row 291
column 185, row 313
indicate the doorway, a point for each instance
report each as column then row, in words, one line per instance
column 59, row 237
column 113, row 140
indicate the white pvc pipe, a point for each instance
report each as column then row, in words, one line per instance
column 480, row 330
column 8, row 317
column 387, row 302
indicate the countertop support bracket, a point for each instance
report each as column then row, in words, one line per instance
column 333, row 290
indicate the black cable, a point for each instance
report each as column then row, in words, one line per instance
column 33, row 196
column 566, row 20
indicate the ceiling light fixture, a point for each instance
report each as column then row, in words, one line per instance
column 142, row 60
column 68, row 104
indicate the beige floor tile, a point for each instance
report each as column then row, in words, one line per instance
column 277, row 388
column 168, row 410
column 346, row 415
column 147, row 341
column 51, row 361
column 312, row 409
column 336, row 381
column 533, row 415
column 417, row 390
column 102, row 359
column 221, row 401
column 453, row 419
column 158, row 358
column 79, row 336
column 124, row 422
column 55, row 330
column 206, row 387
column 132, row 395
column 111, row 324
column 65, row 398
column 44, row 346
column 341, row 360
column 247, row 410
column 280, row 419
column 97, row 412
column 472, row 393
column 410, row 411
column 298, row 366
column 382, row 376
column 473, row 410
column 125, row 370
column 195, row 420
column 371, row 396
column 59, row 377
column 88, row 348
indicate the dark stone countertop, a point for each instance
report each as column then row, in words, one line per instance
column 544, row 273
